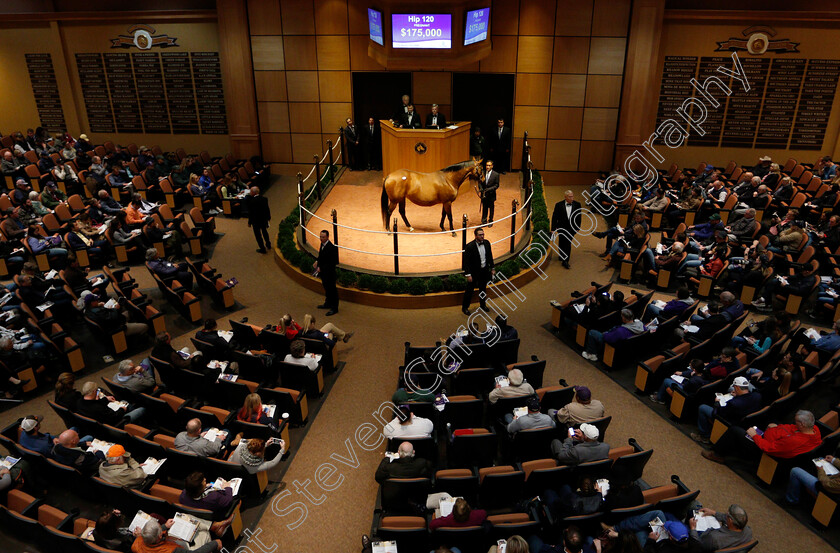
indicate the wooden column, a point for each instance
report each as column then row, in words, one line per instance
column 640, row 93
column 238, row 73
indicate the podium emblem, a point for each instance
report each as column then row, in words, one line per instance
column 420, row 148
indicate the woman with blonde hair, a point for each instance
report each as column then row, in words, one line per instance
column 329, row 333
column 252, row 410
column 288, row 326
column 514, row 544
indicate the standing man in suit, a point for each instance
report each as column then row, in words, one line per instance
column 500, row 146
column 370, row 135
column 478, row 268
column 324, row 267
column 259, row 215
column 488, row 194
column 402, row 110
column 411, row 120
column 435, row 120
column 351, row 135
column 566, row 220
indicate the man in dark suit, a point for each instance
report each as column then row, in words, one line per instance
column 353, row 140
column 370, row 141
column 435, row 120
column 406, row 466
column 478, row 268
column 489, row 185
column 259, row 215
column 500, row 146
column 411, row 120
column 325, row 268
column 402, row 110
column 566, row 221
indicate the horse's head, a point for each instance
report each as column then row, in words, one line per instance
column 477, row 169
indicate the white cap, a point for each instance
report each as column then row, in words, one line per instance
column 741, row 382
column 590, row 431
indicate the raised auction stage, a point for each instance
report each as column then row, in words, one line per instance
column 366, row 245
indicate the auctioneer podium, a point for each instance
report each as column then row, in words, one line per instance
column 424, row 150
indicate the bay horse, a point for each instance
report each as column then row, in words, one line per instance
column 426, row 189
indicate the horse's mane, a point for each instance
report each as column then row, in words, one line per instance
column 456, row 167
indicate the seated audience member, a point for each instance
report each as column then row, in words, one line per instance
column 507, row 331
column 412, row 391
column 164, row 351
column 743, row 403
column 66, row 394
column 639, row 526
column 152, row 539
column 698, row 374
column 581, row 409
column 32, row 438
column 13, row 227
column 801, row 478
column 405, row 466
column 788, row 440
column 196, row 494
column 252, row 410
column 94, row 404
column 580, row 448
column 108, row 205
column 48, row 245
column 110, row 532
column 169, row 271
column 297, row 355
column 517, row 387
column 673, row 308
column 571, row 540
column 210, row 334
column 78, row 239
column 629, row 327
column 137, row 378
column 111, row 317
column 192, row 439
column 565, row 501
column 623, row 492
column 406, row 424
column 534, row 419
column 251, row 455
column 707, row 326
column 134, row 215
column 288, row 327
column 67, row 452
column 733, row 529
column 51, row 196
column 329, row 333
column 120, row 469
column 462, row 515
column 799, row 284
column 829, row 342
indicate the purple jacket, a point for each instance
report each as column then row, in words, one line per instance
column 217, row 500
column 622, row 332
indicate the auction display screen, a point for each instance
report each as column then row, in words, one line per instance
column 421, row 30
column 476, row 27
column 375, row 24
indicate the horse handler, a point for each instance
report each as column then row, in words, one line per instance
column 489, row 185
column 479, row 270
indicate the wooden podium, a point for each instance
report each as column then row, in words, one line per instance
column 424, row 150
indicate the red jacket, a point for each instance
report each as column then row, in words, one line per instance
column 786, row 441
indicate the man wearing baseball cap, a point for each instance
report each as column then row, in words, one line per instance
column 120, row 469
column 534, row 419
column 743, row 403
column 583, row 446
column 581, row 409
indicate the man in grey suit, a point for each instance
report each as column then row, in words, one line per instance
column 580, row 448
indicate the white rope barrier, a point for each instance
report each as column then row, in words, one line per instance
column 325, row 156
column 310, row 174
column 337, row 142
column 392, row 254
column 509, row 235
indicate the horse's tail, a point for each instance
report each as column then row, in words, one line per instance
column 384, row 204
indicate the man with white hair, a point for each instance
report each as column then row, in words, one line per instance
column 11, row 166
column 120, row 469
column 194, row 441
column 565, row 221
column 406, row 465
column 733, row 529
column 517, row 387
column 788, row 440
column 152, row 538
column 137, row 378
column 581, row 447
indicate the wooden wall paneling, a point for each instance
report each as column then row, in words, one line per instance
column 298, row 17
column 532, row 89
column 359, row 59
column 357, row 17
column 302, row 86
column 238, row 78
column 562, row 155
column 274, row 117
column 502, row 58
column 603, row 91
column 571, row 54
column 534, row 54
column 333, row 53
column 270, row 85
column 568, row 178
column 536, row 17
column 599, row 123
column 432, row 87
column 606, row 56
column 504, row 20
column 533, row 119
column 304, row 117
column 567, row 90
column 301, row 53
column 565, row 123
column 264, row 17
column 331, row 17
column 304, row 147
column 574, row 18
column 334, row 86
column 268, row 53
column 277, row 147
column 333, row 115
column 611, row 17
column 596, row 155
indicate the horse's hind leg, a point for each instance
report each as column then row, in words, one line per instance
column 405, row 220
column 443, row 217
column 391, row 207
column 448, row 210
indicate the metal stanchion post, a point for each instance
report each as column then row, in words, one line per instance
column 302, row 215
column 342, row 139
column 332, row 163
column 529, row 186
column 317, row 175
column 513, row 205
column 335, row 231
column 396, row 249
column 464, row 232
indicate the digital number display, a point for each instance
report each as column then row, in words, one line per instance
column 375, row 24
column 478, row 22
column 421, row 31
